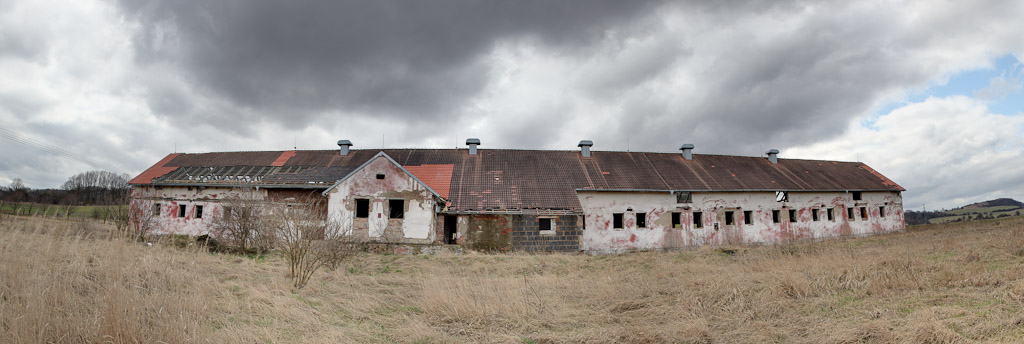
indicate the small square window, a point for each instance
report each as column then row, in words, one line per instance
column 856, row 196
column 684, row 197
column 676, row 223
column 782, row 196
column 156, row 209
column 396, row 208
column 775, row 216
column 380, row 176
column 729, row 218
column 362, row 208
column 617, row 220
column 544, row 225
column 863, row 213
column 698, row 219
column 641, row 220
column 814, row 214
column 849, row 213
column 881, row 211
column 181, row 210
column 199, row 211
column 792, row 215
column 748, row 217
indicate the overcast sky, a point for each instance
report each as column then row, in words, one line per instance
column 929, row 93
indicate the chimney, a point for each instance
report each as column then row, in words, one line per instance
column 773, row 156
column 472, row 143
column 344, row 144
column 585, row 147
column 687, row 151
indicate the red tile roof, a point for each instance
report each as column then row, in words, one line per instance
column 508, row 179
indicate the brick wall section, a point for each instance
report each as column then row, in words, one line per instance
column 526, row 235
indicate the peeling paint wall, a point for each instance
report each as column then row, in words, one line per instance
column 417, row 224
column 600, row 237
column 165, row 220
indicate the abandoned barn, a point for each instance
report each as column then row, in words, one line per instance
column 534, row 200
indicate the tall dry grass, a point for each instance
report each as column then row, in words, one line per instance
column 957, row 283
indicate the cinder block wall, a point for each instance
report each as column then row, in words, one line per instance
column 566, row 238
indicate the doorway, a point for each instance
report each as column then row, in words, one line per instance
column 450, row 229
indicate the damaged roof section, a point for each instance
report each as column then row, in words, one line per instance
column 520, row 180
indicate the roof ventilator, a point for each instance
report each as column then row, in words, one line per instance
column 585, row 147
column 687, row 151
column 344, row 144
column 773, row 156
column 472, row 143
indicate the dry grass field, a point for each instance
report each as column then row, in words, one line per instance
column 68, row 282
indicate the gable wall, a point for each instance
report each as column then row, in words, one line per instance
column 417, row 226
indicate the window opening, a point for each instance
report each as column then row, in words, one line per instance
column 863, row 213
column 814, row 214
column 881, row 211
column 782, row 196
column 199, row 211
column 830, row 213
column 362, row 208
column 792, row 215
column 617, row 220
column 748, row 217
column 729, row 218
column 396, row 208
column 641, row 220
column 544, row 225
column 380, row 176
column 849, row 213
column 181, row 210
column 676, row 223
column 684, row 197
column 156, row 209
column 856, row 196
column 775, row 216
column 698, row 219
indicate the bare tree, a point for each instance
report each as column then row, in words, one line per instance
column 309, row 238
column 241, row 225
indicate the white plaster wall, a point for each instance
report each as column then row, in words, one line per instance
column 169, row 198
column 600, row 237
column 418, row 222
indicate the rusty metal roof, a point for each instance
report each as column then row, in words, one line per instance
column 509, row 179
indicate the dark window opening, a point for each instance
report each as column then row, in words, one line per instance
column 814, row 214
column 199, row 211
column 775, row 216
column 641, row 220
column 544, row 224
column 362, row 208
column 863, row 213
column 617, row 220
column 881, row 211
column 450, row 229
column 782, row 196
column 226, row 210
column 676, row 223
column 856, row 196
column 380, row 176
column 830, row 214
column 698, row 219
column 792, row 215
column 396, row 208
column 684, row 197
column 156, row 209
column 748, row 217
column 181, row 210
column 729, row 218
column 849, row 213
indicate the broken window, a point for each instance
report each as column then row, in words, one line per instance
column 748, row 217
column 181, row 210
column 199, row 211
column 396, row 208
column 863, row 213
column 617, row 220
column 775, row 216
column 544, row 225
column 380, row 176
column 849, row 213
column 729, row 218
column 830, row 213
column 782, row 196
column 362, row 208
column 676, row 223
column 698, row 220
column 156, row 209
column 641, row 220
column 684, row 197
column 792, row 215
column 856, row 196
column 814, row 214
column 881, row 211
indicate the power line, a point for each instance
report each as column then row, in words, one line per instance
column 60, row 152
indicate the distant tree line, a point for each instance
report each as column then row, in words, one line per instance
column 86, row 188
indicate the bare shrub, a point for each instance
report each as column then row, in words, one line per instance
column 309, row 238
column 241, row 226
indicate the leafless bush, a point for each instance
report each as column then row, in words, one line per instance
column 241, row 226
column 309, row 238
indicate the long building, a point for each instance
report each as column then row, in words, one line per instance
column 535, row 200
